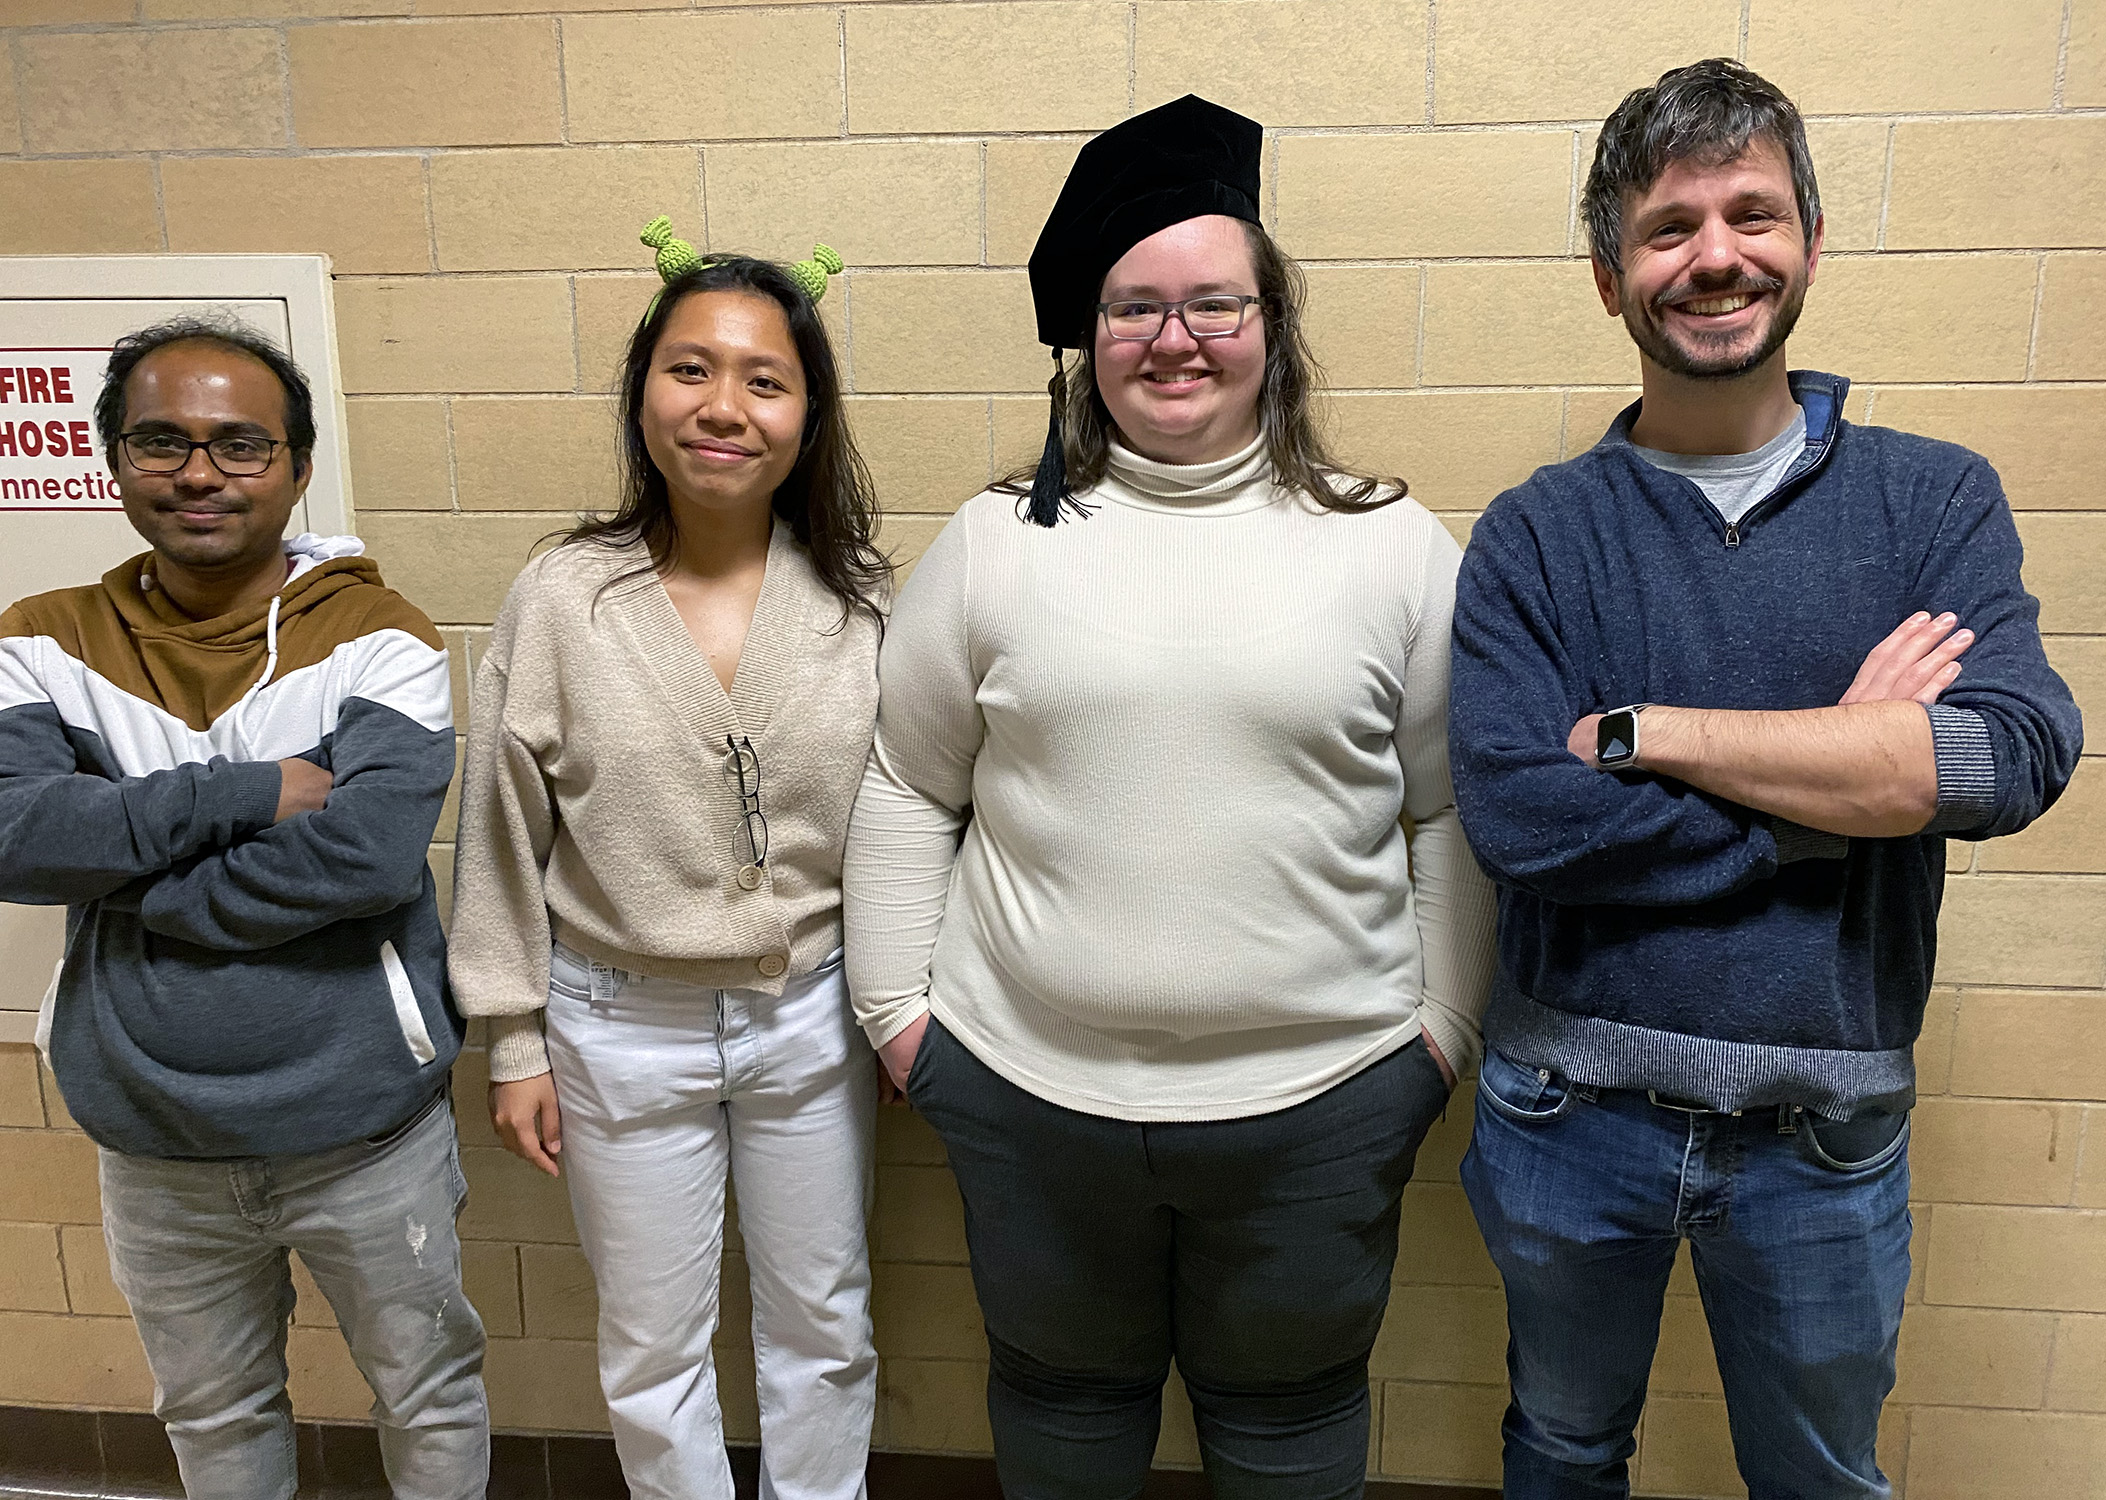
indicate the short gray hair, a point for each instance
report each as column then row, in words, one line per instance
column 1708, row 111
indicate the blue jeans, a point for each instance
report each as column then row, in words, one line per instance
column 199, row 1250
column 1801, row 1251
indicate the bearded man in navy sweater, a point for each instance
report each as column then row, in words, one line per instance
column 1723, row 688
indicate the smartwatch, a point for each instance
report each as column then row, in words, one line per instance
column 1616, row 737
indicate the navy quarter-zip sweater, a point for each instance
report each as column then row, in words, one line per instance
column 1655, row 936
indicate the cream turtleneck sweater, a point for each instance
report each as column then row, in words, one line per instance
column 1178, row 737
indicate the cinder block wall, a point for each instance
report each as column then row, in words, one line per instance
column 478, row 170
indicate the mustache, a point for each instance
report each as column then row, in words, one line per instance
column 1754, row 286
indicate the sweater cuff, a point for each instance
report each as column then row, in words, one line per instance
column 255, row 785
column 1966, row 769
column 1795, row 841
column 1461, row 1043
column 890, row 1022
column 517, row 1048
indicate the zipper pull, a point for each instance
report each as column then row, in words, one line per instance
column 1732, row 534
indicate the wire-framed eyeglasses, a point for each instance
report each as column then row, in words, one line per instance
column 238, row 456
column 753, row 826
column 1214, row 316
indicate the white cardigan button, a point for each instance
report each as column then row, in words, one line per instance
column 772, row 964
column 750, row 878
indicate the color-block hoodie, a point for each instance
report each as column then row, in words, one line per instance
column 232, row 986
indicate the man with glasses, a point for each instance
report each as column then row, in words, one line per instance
column 226, row 759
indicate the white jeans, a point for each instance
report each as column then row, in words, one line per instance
column 666, row 1089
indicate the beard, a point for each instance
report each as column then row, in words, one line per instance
column 1723, row 356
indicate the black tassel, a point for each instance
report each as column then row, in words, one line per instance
column 1049, row 482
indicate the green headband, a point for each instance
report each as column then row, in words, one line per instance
column 676, row 257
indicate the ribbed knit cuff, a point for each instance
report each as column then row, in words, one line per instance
column 1966, row 769
column 256, row 785
column 517, row 1048
column 1795, row 841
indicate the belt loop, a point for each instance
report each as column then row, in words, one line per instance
column 1787, row 1119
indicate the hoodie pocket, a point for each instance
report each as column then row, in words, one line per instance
column 407, row 1014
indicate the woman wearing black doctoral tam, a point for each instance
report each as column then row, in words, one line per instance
column 1180, row 1002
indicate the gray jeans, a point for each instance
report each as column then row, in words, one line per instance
column 199, row 1250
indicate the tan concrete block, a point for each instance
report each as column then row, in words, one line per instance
column 1681, row 1281
column 1589, row 415
column 2072, row 340
column 934, row 1405
column 1362, row 323
column 77, row 208
column 1968, row 184
column 1297, row 62
column 89, row 1285
column 1505, row 192
column 1934, row 1043
column 1532, row 324
column 920, row 1216
column 2005, row 1455
column 187, row 90
column 536, row 453
column 323, row 1379
column 1019, row 432
column 490, row 1276
column 2071, row 836
column 2091, row 1174
column 440, row 859
column 1441, row 1432
column 2038, row 1258
column 464, row 649
column 925, row 1312
column 2062, row 570
column 2082, row 664
column 433, row 333
column 1536, row 60
column 1991, row 1151
column 399, row 458
column 311, row 1308
column 561, row 209
column 2024, row 1044
column 609, row 308
column 365, row 212
column 31, row 1278
column 544, row 1385
column 558, row 1293
column 660, row 78
column 509, row 1201
column 1891, row 1449
column 880, row 203
column 1441, row 1245
column 903, row 539
column 1460, row 525
column 737, row 1394
column 1687, row 1449
column 1918, row 318
column 471, row 1094
column 1056, row 65
column 508, row 7
column 426, row 83
column 734, row 1303
column 10, row 116
column 455, row 568
column 1892, row 55
column 1684, row 1361
column 1442, row 1333
column 59, row 1360
column 926, row 455
column 1441, row 1153
column 2048, row 442
column 21, row 1097
column 270, row 10
column 1023, row 179
column 1457, row 450
column 943, row 331
column 1177, row 1441
column 1966, row 1356
column 49, row 1178
column 1850, row 163
column 2084, row 77
column 66, row 12
column 54, row 1101
column 905, row 1137
column 2011, row 929
column 2077, row 1377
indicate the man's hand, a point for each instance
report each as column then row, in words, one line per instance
column 897, row 1055
column 303, row 787
column 528, row 1120
column 1920, row 660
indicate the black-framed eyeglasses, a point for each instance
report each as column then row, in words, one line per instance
column 1214, row 316
column 237, row 456
column 753, row 827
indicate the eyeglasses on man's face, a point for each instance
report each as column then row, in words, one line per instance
column 1214, row 316
column 237, row 455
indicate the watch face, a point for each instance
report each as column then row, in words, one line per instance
column 1616, row 738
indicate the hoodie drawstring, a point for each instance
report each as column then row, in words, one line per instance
column 270, row 669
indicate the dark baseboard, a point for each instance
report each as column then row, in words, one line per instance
column 125, row 1456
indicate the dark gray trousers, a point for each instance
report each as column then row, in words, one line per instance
column 1256, row 1251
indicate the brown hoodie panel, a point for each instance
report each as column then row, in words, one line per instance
column 126, row 630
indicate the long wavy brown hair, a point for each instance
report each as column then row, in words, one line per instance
column 827, row 500
column 1294, row 441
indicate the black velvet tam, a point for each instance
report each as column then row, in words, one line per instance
column 1179, row 161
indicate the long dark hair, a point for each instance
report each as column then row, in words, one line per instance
column 827, row 500
column 1294, row 440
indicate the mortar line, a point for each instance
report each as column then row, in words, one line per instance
column 1418, row 364
column 562, row 87
column 1432, row 33
column 1564, row 424
column 14, row 75
column 702, row 177
column 1886, row 189
column 983, row 203
column 292, row 138
column 1740, row 54
column 453, row 456
column 2062, row 56
column 2039, row 298
column 841, row 41
column 1572, row 199
column 160, row 202
column 431, row 214
column 1133, row 32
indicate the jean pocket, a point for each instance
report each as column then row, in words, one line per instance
column 918, row 1070
column 569, row 974
column 1525, row 1095
column 1863, row 1144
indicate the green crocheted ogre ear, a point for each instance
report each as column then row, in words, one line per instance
column 811, row 274
column 675, row 256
